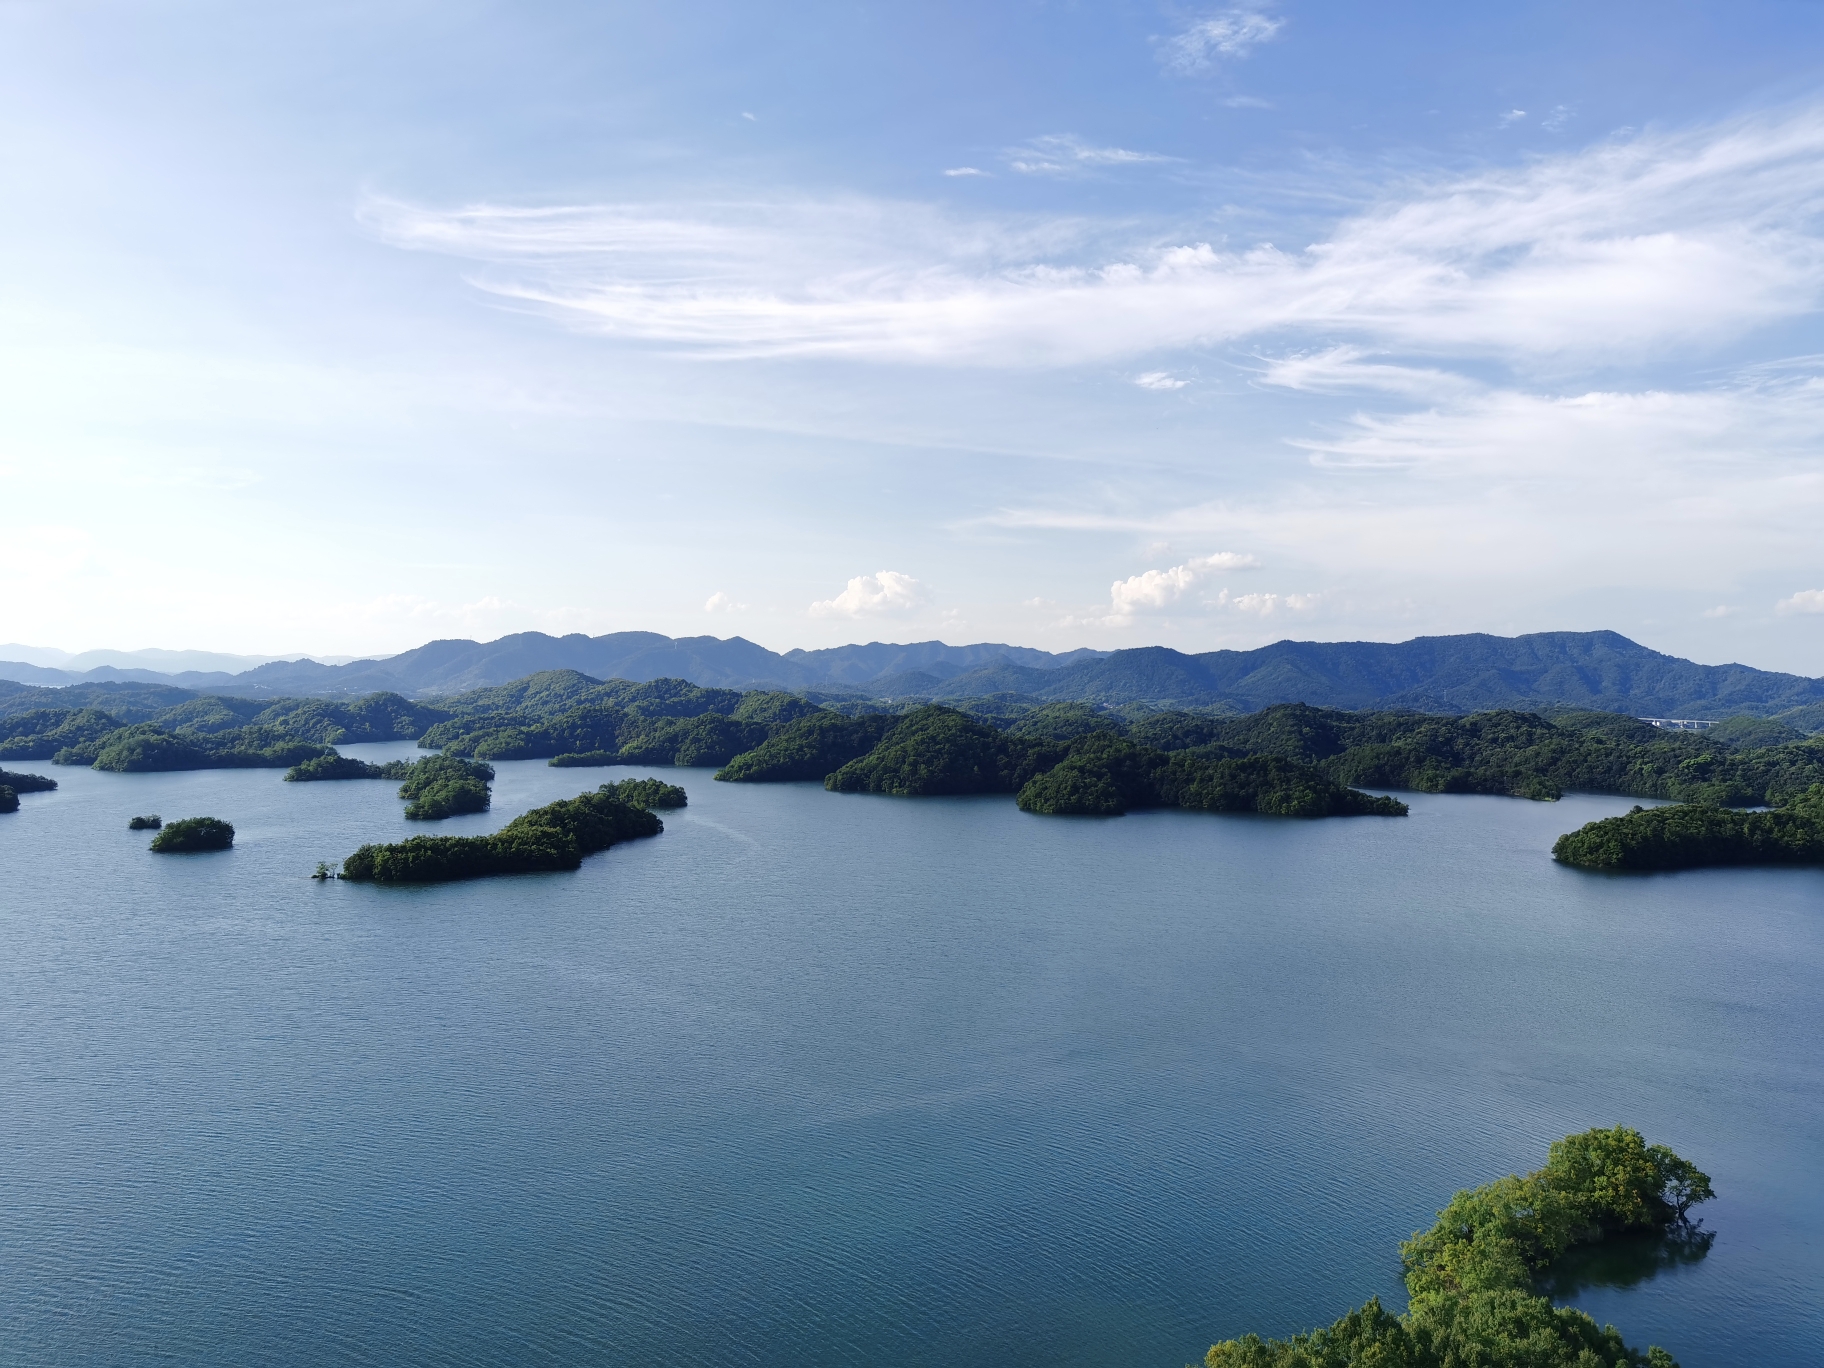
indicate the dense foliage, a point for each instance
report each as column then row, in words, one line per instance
column 326, row 767
column 26, row 783
column 440, row 786
column 205, row 731
column 1061, row 722
column 1105, row 776
column 377, row 717
column 939, row 750
column 554, row 837
column 1521, row 754
column 146, row 748
column 575, row 721
column 1473, row 1278
column 149, row 823
column 647, row 793
column 41, row 732
column 1691, row 836
column 9, row 800
column 572, row 719
column 813, row 747
column 193, row 834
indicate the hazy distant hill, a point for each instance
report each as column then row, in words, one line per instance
column 54, row 677
column 734, row 663
column 871, row 665
column 1601, row 670
column 441, row 667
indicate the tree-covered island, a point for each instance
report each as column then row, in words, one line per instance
column 334, row 768
column 1474, row 1279
column 647, row 793
column 557, row 836
column 1059, row 757
column 440, row 786
column 1065, row 764
column 193, row 834
column 436, row 786
column 1106, row 776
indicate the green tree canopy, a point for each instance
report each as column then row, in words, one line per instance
column 1473, row 1277
column 193, row 834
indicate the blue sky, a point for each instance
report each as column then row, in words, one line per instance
column 339, row 327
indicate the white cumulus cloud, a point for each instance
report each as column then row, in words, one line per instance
column 1159, row 380
column 882, row 594
column 1154, row 590
column 720, row 602
column 1805, row 601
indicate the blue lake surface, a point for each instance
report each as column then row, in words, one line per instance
column 817, row 1079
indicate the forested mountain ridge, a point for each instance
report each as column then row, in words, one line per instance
column 1450, row 674
column 1455, row 674
column 452, row 666
column 1603, row 671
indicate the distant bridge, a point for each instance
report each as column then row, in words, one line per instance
column 1680, row 723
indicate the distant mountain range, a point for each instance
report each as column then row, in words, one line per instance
column 1601, row 670
column 445, row 667
column 146, row 662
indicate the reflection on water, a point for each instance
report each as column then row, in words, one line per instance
column 1627, row 1262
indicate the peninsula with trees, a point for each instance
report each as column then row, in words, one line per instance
column 12, row 785
column 1693, row 836
column 1474, row 1280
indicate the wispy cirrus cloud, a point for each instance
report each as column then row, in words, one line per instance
column 1058, row 154
column 1586, row 488
column 1629, row 249
column 1341, row 370
column 1232, row 33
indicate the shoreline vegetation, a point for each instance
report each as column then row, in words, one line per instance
column 436, row 786
column 1055, row 758
column 1475, row 1279
column 547, row 839
column 1692, row 836
column 440, row 786
column 193, row 834
column 12, row 785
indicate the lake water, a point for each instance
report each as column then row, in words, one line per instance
column 815, row 1079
